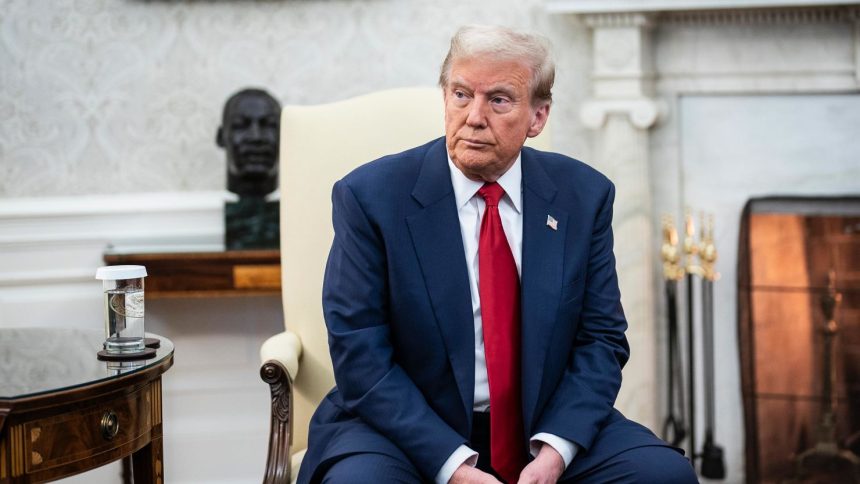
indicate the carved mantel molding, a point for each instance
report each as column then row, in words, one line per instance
column 642, row 112
column 764, row 16
column 582, row 7
column 623, row 72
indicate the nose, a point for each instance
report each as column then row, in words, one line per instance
column 477, row 117
column 254, row 131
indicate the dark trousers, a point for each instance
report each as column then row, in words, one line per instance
column 480, row 442
column 649, row 464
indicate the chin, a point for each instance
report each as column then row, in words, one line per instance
column 474, row 159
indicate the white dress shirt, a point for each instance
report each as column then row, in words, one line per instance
column 470, row 208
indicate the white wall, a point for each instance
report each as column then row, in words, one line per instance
column 109, row 96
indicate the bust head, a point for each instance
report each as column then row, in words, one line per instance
column 249, row 133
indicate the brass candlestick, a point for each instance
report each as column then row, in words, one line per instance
column 827, row 461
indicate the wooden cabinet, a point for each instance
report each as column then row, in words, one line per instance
column 206, row 274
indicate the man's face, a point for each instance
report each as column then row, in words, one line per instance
column 489, row 115
column 250, row 135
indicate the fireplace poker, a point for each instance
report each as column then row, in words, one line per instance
column 712, row 463
column 691, row 249
column 674, row 428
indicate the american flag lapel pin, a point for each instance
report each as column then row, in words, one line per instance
column 551, row 222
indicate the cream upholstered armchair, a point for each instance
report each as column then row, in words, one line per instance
column 319, row 145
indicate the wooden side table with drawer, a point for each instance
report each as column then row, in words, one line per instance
column 63, row 411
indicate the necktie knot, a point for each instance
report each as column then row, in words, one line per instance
column 491, row 193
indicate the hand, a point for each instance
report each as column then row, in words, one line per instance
column 545, row 469
column 466, row 474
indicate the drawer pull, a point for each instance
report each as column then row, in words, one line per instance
column 109, row 425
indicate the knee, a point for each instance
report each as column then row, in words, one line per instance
column 370, row 469
column 661, row 464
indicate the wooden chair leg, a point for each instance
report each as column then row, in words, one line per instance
column 280, row 434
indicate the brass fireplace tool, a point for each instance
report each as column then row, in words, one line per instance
column 698, row 261
column 826, row 461
column 691, row 250
column 713, row 466
column 674, row 428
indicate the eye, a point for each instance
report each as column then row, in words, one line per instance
column 501, row 104
column 459, row 94
column 238, row 123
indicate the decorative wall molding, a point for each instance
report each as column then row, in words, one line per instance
column 643, row 113
column 154, row 218
column 620, row 19
column 613, row 6
column 60, row 240
column 788, row 16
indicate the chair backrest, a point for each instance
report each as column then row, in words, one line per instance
column 319, row 145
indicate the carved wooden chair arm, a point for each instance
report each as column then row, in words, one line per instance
column 276, row 375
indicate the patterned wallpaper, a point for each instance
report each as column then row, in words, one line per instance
column 109, row 96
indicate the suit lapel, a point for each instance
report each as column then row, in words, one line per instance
column 435, row 232
column 542, row 265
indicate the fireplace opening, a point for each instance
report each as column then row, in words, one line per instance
column 799, row 336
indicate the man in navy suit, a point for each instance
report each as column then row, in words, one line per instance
column 472, row 302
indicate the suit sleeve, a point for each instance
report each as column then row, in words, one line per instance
column 587, row 390
column 371, row 384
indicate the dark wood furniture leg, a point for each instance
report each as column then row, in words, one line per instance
column 280, row 434
column 148, row 463
column 126, row 471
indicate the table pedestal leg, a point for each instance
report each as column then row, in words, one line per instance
column 148, row 463
column 125, row 474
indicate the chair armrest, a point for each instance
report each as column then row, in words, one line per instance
column 286, row 348
column 280, row 364
column 281, row 424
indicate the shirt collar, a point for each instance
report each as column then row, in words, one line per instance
column 511, row 181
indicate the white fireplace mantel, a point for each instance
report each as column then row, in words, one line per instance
column 620, row 6
column 660, row 70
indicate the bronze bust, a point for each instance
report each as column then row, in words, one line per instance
column 249, row 133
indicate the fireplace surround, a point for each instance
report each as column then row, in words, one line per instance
column 688, row 108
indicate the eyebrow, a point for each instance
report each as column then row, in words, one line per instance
column 505, row 89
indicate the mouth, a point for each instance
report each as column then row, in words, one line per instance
column 474, row 143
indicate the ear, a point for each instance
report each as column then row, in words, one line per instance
column 219, row 137
column 539, row 119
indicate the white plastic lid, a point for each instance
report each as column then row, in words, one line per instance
column 115, row 273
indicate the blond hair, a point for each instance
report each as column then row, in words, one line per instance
column 497, row 42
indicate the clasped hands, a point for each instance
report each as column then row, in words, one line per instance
column 546, row 468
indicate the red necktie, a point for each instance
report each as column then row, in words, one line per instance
column 499, row 287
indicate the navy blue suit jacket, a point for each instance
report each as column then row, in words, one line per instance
column 399, row 316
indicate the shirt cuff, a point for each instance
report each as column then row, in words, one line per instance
column 463, row 455
column 564, row 447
